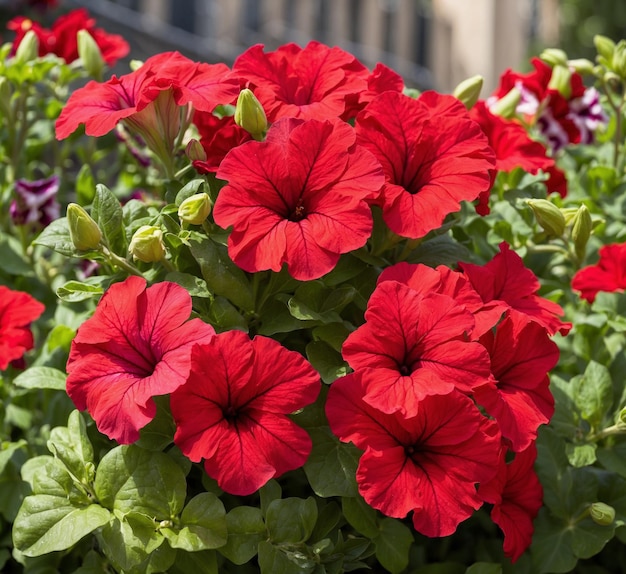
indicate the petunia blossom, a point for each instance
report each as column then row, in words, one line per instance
column 298, row 198
column 608, row 274
column 232, row 411
column 35, row 202
column 428, row 464
column 521, row 355
column 434, row 156
column 17, row 311
column 412, row 346
column 136, row 345
column 517, row 496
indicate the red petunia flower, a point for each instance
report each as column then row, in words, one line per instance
column 412, row 346
column 517, row 496
column 313, row 82
column 505, row 280
column 521, row 355
column 557, row 180
column 298, row 198
column 61, row 38
column 136, row 345
column 232, row 412
column 428, row 464
column 608, row 274
column 17, row 311
column 434, row 156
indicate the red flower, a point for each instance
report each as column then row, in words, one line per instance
column 297, row 198
column 136, row 345
column 17, row 311
column 557, row 181
column 429, row 463
column 61, row 38
column 608, row 274
column 505, row 280
column 412, row 346
column 315, row 82
column 434, row 156
column 517, row 496
column 233, row 410
column 521, row 355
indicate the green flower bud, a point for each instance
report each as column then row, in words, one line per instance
column 621, row 418
column 505, row 107
column 147, row 244
column 581, row 230
column 194, row 151
column 28, row 49
column 554, row 57
column 195, row 209
column 250, row 115
column 612, row 80
column 548, row 216
column 561, row 80
column 605, row 46
column 468, row 91
column 581, row 66
column 602, row 514
column 618, row 61
column 84, row 231
column 90, row 54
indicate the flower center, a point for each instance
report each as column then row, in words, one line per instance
column 230, row 414
column 405, row 370
column 298, row 213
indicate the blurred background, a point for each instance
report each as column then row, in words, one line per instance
column 431, row 43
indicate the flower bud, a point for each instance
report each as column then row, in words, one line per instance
column 250, row 115
column 602, row 513
column 505, row 106
column 147, row 244
column 468, row 91
column 581, row 66
column 195, row 209
column 194, row 151
column 581, row 230
column 84, row 231
column 618, row 61
column 90, row 54
column 605, row 46
column 621, row 418
column 554, row 57
column 28, row 49
column 561, row 80
column 548, row 216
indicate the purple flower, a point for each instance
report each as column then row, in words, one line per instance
column 588, row 114
column 35, row 202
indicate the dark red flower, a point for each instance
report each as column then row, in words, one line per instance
column 232, row 412
column 517, row 496
column 428, row 464
column 136, row 345
column 521, row 355
column 17, row 311
column 412, row 346
column 608, row 274
column 298, row 198
column 434, row 156
column 557, row 181
column 312, row 82
column 505, row 280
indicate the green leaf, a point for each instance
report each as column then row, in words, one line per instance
column 361, row 516
column 331, row 466
column 613, row 458
column 47, row 523
column 72, row 447
column 197, row 287
column 484, row 568
column 580, row 455
column 326, row 361
column 12, row 260
column 74, row 291
column 291, row 519
column 41, row 378
column 60, row 337
column 246, row 529
column 203, row 562
column 594, row 393
column 223, row 315
column 190, row 188
column 268, row 493
column 273, row 560
column 107, row 213
column 132, row 479
column 7, row 450
column 203, row 525
column 85, row 185
column 159, row 432
column 56, row 236
column 551, row 548
column 393, row 543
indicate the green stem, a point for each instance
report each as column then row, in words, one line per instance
column 117, row 261
column 619, row 428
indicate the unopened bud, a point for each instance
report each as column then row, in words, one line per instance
column 612, row 80
column 621, row 418
column 581, row 230
column 602, row 513
column 90, row 54
column 581, row 66
column 195, row 209
column 468, row 91
column 147, row 244
column 548, row 216
column 605, row 46
column 561, row 81
column 250, row 115
column 28, row 49
column 84, row 231
column 554, row 57
column 505, row 107
column 618, row 62
column 194, row 151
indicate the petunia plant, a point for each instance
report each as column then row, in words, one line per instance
column 293, row 316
